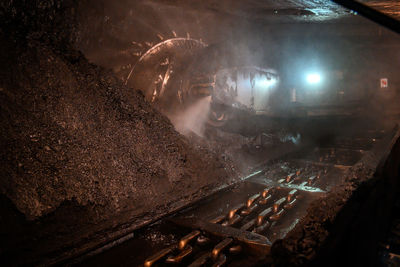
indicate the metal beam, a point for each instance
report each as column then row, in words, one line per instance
column 372, row 14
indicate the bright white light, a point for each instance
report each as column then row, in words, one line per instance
column 313, row 78
column 266, row 83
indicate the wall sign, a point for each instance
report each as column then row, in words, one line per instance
column 384, row 83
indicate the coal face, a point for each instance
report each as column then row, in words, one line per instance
column 81, row 154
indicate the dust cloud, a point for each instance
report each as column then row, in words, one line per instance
column 193, row 118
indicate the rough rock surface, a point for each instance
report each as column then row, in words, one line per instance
column 78, row 148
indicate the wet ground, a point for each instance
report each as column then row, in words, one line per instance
column 238, row 225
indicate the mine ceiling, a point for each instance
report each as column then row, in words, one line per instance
column 286, row 11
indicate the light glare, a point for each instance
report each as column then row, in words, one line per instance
column 313, row 78
column 267, row 82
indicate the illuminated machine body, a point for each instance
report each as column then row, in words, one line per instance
column 172, row 78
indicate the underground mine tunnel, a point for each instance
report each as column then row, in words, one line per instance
column 200, row 133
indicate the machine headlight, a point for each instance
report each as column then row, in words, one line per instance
column 313, row 78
